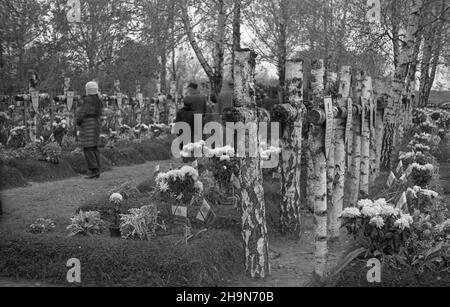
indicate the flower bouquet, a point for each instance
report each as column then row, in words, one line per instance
column 181, row 186
column 422, row 174
column 382, row 228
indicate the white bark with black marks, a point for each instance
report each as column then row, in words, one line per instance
column 365, row 137
column 340, row 156
column 254, row 227
column 354, row 174
column 316, row 144
column 290, row 218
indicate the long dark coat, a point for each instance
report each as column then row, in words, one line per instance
column 89, row 121
column 186, row 115
column 197, row 101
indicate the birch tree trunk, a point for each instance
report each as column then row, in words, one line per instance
column 317, row 148
column 355, row 168
column 215, row 74
column 282, row 48
column 219, row 57
column 254, row 227
column 426, row 86
column 290, row 218
column 379, row 92
column 340, row 157
column 310, row 182
column 379, row 128
column 331, row 85
column 374, row 166
column 398, row 84
column 365, row 138
column 237, row 12
column 430, row 41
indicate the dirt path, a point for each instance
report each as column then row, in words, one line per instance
column 60, row 199
column 294, row 265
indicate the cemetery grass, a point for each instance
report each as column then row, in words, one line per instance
column 209, row 260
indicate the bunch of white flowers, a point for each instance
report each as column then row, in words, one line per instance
column 17, row 130
column 416, row 191
column 426, row 168
column 266, row 152
column 442, row 227
column 420, row 147
column 404, row 222
column 351, row 212
column 365, row 203
column 225, row 158
column 377, row 221
column 426, row 137
column 190, row 148
column 163, row 179
column 219, row 152
column 389, row 211
column 116, row 198
column 379, row 208
column 371, row 211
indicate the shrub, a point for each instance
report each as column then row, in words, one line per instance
column 140, row 223
column 51, row 152
column 17, row 137
column 86, row 224
column 41, row 226
column 69, row 144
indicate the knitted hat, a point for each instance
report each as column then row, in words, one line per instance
column 91, row 88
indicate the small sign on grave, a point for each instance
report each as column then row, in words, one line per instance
column 348, row 127
column 180, row 215
column 35, row 100
column 329, row 125
column 140, row 99
column 70, row 98
column 119, row 100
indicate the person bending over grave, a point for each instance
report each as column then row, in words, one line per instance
column 89, row 123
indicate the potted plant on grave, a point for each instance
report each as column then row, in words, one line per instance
column 116, row 200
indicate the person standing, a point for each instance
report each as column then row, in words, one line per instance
column 89, row 126
column 199, row 104
column 226, row 96
column 187, row 115
column 196, row 99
